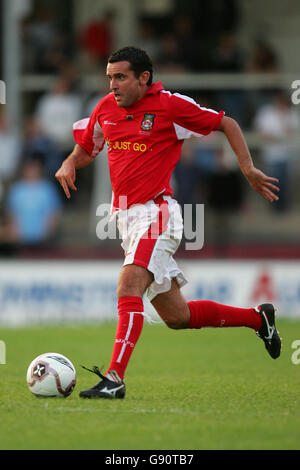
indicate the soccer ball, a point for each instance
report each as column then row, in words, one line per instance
column 51, row 375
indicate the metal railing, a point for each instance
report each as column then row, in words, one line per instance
column 179, row 81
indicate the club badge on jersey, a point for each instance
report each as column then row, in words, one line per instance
column 147, row 122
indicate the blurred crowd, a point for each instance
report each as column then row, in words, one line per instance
column 31, row 202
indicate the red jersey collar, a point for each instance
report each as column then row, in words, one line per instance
column 154, row 88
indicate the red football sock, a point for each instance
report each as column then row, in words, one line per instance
column 209, row 313
column 129, row 328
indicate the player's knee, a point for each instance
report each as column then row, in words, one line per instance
column 129, row 287
column 175, row 324
column 133, row 281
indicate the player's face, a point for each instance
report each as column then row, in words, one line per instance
column 126, row 88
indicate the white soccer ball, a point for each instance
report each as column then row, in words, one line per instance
column 51, row 375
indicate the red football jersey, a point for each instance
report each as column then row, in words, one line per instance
column 144, row 140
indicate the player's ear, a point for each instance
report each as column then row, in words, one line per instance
column 144, row 77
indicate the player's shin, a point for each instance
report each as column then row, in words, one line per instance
column 205, row 313
column 130, row 325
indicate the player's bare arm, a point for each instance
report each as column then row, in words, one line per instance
column 66, row 175
column 263, row 184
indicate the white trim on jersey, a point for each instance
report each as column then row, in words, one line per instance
column 182, row 132
column 81, row 124
column 98, row 139
column 191, row 100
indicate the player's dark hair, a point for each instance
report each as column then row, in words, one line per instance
column 138, row 59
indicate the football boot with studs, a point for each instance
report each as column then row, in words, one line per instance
column 106, row 388
column 268, row 332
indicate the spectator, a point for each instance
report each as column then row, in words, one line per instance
column 9, row 152
column 33, row 208
column 229, row 58
column 60, row 54
column 56, row 113
column 37, row 143
column 195, row 170
column 189, row 42
column 197, row 164
column 263, row 58
column 147, row 39
column 92, row 102
column 226, row 184
column 38, row 35
column 169, row 59
column 96, row 38
column 277, row 123
column 226, row 196
column 208, row 173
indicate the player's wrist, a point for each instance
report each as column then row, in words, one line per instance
column 247, row 170
column 77, row 160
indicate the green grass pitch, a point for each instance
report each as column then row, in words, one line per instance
column 211, row 389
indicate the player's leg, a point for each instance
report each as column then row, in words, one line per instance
column 172, row 307
column 133, row 282
column 139, row 246
column 179, row 314
column 147, row 222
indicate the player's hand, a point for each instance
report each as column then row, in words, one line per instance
column 263, row 184
column 66, row 176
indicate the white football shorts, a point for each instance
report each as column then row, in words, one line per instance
column 151, row 233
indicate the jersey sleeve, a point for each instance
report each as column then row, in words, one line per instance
column 188, row 117
column 88, row 134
